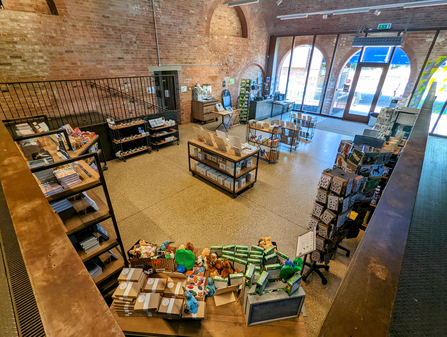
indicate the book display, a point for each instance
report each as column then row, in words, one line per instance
column 228, row 164
column 129, row 137
column 205, row 285
column 163, row 132
column 266, row 137
column 67, row 181
column 244, row 100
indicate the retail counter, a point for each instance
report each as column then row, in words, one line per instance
column 260, row 110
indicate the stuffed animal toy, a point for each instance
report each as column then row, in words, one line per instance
column 165, row 245
column 218, row 265
column 210, row 289
column 190, row 246
column 266, row 243
column 185, row 258
column 201, row 260
column 227, row 270
column 214, row 274
column 191, row 304
column 211, row 261
column 181, row 247
column 290, row 268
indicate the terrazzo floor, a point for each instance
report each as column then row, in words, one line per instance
column 156, row 198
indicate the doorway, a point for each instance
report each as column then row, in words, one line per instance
column 365, row 91
column 166, row 89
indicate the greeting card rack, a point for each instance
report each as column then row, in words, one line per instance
column 307, row 124
column 129, row 136
column 268, row 146
column 164, row 135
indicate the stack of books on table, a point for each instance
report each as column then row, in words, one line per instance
column 124, row 298
column 24, row 129
column 93, row 268
column 90, row 244
column 60, row 206
column 51, row 189
column 44, row 176
column 67, row 177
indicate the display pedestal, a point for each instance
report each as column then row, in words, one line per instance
column 314, row 267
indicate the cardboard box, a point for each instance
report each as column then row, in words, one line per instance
column 201, row 155
column 274, row 271
column 269, row 250
column 127, row 290
column 174, row 288
column 222, row 166
column 293, row 284
column 221, row 179
column 229, row 247
column 241, row 255
column 155, row 285
column 255, row 248
column 148, row 304
column 250, row 177
column 270, row 259
column 249, row 162
column 217, row 250
column 256, row 262
column 282, row 257
column 170, row 308
column 130, row 274
column 236, row 279
column 220, row 282
column 249, row 275
column 228, row 252
column 239, row 264
column 225, row 295
column 262, row 282
column 200, row 314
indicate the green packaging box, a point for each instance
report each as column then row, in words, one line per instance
column 256, row 262
column 249, row 275
column 229, row 247
column 237, row 278
column 293, row 284
column 216, row 249
column 228, row 252
column 220, row 282
column 255, row 248
column 269, row 257
column 255, row 255
column 261, row 283
column 241, row 255
column 274, row 270
column 284, row 256
column 269, row 250
column 243, row 248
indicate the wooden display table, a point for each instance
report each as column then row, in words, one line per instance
column 226, row 320
column 230, row 156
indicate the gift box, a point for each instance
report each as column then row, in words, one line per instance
column 130, row 274
column 273, row 270
column 220, row 282
column 262, row 282
column 237, row 278
column 155, row 285
column 293, row 284
column 200, row 314
column 174, row 288
column 170, row 308
column 147, row 304
column 249, row 275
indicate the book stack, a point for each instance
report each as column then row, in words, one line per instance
column 43, row 176
column 124, row 298
column 89, row 244
column 67, row 177
column 51, row 189
column 93, row 268
column 147, row 305
column 102, row 232
column 24, row 129
column 60, row 206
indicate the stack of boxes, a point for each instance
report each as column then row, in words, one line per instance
column 224, row 165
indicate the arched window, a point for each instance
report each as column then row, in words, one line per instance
column 298, row 72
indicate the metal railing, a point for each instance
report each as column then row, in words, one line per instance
column 89, row 101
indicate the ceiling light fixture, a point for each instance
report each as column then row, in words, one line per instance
column 278, row 2
column 376, row 12
column 414, row 4
column 240, row 2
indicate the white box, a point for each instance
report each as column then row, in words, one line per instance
column 241, row 182
column 230, row 170
column 222, row 166
column 249, row 162
column 221, row 179
column 250, row 176
column 229, row 183
column 196, row 152
column 238, row 170
column 201, row 155
column 214, row 159
column 230, row 163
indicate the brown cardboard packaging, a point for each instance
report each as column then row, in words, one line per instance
column 130, row 274
column 127, row 290
column 225, row 295
column 200, row 312
column 147, row 304
column 154, row 285
column 170, row 308
column 174, row 288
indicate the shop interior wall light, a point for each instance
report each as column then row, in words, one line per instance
column 240, row 2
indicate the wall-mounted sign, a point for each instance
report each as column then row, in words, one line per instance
column 383, row 26
column 231, row 81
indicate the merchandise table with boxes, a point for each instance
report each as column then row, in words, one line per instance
column 232, row 173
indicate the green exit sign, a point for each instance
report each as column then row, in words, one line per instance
column 383, row 26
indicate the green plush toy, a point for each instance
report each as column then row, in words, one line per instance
column 290, row 268
column 185, row 258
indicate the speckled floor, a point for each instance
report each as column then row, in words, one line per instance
column 156, row 198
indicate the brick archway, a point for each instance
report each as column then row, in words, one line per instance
column 239, row 77
column 240, row 12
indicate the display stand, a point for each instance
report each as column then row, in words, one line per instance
column 223, row 156
column 127, row 138
column 272, row 156
column 82, row 215
column 93, row 145
column 307, row 123
column 157, row 137
column 314, row 268
column 244, row 101
column 290, row 137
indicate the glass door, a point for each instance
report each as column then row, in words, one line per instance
column 365, row 91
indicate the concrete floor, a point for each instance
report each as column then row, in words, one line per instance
column 156, row 198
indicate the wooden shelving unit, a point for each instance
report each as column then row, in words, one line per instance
column 82, row 215
column 157, row 140
column 128, row 139
column 227, row 156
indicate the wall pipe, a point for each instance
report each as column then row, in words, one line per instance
column 156, row 34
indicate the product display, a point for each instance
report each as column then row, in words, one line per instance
column 244, row 100
column 162, row 131
column 266, row 137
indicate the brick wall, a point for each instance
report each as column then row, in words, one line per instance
column 225, row 21
column 114, row 38
column 35, row 6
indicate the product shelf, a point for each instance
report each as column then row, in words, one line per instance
column 240, row 189
column 127, row 140
column 215, row 166
column 263, row 130
column 161, row 142
column 115, row 127
column 169, row 133
column 111, row 268
column 136, row 151
column 104, row 245
column 161, row 127
column 270, row 146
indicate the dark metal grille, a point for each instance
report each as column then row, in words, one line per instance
column 89, row 101
column 25, row 308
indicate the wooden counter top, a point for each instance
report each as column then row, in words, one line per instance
column 68, row 300
column 227, row 155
